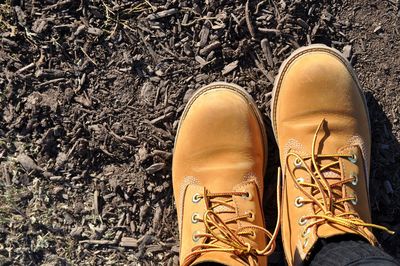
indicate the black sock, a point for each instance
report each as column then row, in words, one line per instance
column 349, row 250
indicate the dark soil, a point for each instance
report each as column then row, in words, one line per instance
column 91, row 93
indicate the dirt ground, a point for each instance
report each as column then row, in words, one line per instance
column 91, row 93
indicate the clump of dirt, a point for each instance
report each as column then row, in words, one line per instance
column 90, row 97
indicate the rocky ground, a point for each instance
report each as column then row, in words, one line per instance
column 91, row 93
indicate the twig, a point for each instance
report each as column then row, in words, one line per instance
column 161, row 118
column 266, row 30
column 91, row 60
column 262, row 69
column 6, row 176
column 128, row 139
column 73, row 148
column 98, row 242
column 27, row 67
column 157, row 95
column 51, row 81
column 61, row 3
column 107, row 9
column 96, row 207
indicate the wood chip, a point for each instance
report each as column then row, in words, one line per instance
column 155, row 168
column 266, row 30
column 200, row 60
column 56, row 178
column 27, row 162
column 157, row 217
column 211, row 47
column 248, row 20
column 95, row 31
column 96, row 206
column 267, row 52
column 204, row 33
column 302, row 23
column 162, row 14
column 129, row 242
column 230, row 67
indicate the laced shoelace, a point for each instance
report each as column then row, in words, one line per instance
column 327, row 196
column 218, row 230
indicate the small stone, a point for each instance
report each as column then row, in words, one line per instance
column 347, row 51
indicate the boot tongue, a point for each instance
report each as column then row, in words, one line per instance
column 224, row 258
column 327, row 230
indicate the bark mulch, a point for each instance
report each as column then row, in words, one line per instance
column 90, row 97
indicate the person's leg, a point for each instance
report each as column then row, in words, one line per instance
column 321, row 124
column 352, row 253
column 218, row 171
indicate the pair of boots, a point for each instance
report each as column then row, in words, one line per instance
column 321, row 125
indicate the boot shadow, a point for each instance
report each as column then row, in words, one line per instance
column 384, row 186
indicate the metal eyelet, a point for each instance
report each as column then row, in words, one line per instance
column 355, row 179
column 354, row 200
column 196, row 198
column 353, row 158
column 250, row 216
column 305, row 233
column 302, row 221
column 247, row 196
column 297, row 163
column 300, row 180
column 195, row 218
column 297, row 202
column 195, row 236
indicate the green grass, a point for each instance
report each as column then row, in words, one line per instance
column 9, row 211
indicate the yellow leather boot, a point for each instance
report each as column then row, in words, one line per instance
column 321, row 125
column 218, row 169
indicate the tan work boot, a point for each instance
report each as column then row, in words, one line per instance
column 321, row 125
column 218, row 169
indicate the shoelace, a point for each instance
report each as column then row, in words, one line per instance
column 328, row 197
column 218, row 230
